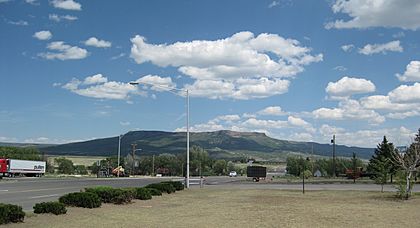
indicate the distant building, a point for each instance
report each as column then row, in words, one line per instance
column 317, row 173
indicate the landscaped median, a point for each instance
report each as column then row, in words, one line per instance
column 235, row 206
column 92, row 197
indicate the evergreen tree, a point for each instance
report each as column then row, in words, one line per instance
column 381, row 165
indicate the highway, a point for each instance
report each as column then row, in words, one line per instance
column 26, row 192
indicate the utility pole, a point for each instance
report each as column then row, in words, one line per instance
column 333, row 168
column 153, row 165
column 133, row 153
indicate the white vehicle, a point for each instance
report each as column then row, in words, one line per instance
column 233, row 174
column 14, row 167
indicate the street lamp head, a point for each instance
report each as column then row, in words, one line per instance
column 133, row 83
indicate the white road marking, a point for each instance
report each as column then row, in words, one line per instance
column 44, row 196
column 4, row 190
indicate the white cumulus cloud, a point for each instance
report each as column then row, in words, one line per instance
column 58, row 18
column 98, row 86
column 238, row 67
column 64, row 51
column 347, row 47
column 93, row 41
column 412, row 72
column 377, row 13
column 349, row 110
column 348, row 86
column 43, row 35
column 406, row 94
column 272, row 111
column 66, row 4
column 370, row 49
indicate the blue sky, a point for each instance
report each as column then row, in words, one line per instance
column 296, row 70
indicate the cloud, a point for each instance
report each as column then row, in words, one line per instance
column 347, row 86
column 412, row 72
column 349, row 110
column 19, row 23
column 64, row 51
column 32, row 2
column 125, row 123
column 118, row 56
column 272, row 111
column 98, row 86
column 66, row 4
column 380, row 102
column 347, row 47
column 93, row 41
column 43, row 35
column 238, row 67
column 274, row 4
column 370, row 49
column 95, row 79
column 327, row 130
column 406, row 94
column 340, row 68
column 377, row 13
column 157, row 83
column 58, row 18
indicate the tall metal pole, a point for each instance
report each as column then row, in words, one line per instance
column 333, row 141
column 188, row 139
column 119, row 155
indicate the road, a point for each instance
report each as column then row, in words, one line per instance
column 26, row 192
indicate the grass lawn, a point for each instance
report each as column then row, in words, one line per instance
column 234, row 207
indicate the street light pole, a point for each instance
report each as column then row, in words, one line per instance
column 187, row 181
column 333, row 161
column 188, row 140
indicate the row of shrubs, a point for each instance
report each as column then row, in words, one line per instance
column 94, row 197
column 90, row 198
column 11, row 213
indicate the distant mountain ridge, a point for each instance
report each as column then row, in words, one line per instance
column 220, row 144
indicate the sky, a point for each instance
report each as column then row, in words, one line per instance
column 295, row 70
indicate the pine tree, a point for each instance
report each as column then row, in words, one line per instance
column 381, row 165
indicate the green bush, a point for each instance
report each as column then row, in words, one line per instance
column 11, row 213
column 163, row 187
column 112, row 195
column 81, row 199
column 178, row 185
column 56, row 208
column 154, row 191
column 143, row 194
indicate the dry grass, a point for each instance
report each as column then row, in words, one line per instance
column 77, row 160
column 215, row 207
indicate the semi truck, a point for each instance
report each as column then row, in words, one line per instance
column 15, row 167
column 256, row 172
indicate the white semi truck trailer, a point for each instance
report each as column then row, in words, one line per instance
column 15, row 167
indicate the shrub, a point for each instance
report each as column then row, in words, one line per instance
column 81, row 199
column 11, row 213
column 143, row 194
column 154, row 191
column 178, row 185
column 163, row 187
column 56, row 208
column 112, row 195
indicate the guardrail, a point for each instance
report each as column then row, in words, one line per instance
column 193, row 181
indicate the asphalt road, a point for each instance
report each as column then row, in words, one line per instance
column 26, row 192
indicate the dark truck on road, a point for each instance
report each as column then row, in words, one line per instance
column 256, row 172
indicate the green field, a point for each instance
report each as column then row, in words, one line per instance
column 78, row 160
column 235, row 207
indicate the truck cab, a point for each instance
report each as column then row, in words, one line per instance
column 3, row 167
